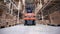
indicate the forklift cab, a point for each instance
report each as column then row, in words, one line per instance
column 29, row 10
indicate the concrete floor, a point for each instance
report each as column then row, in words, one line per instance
column 38, row 29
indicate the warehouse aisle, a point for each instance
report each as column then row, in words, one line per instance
column 38, row 29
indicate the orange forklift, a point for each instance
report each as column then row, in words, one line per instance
column 29, row 17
